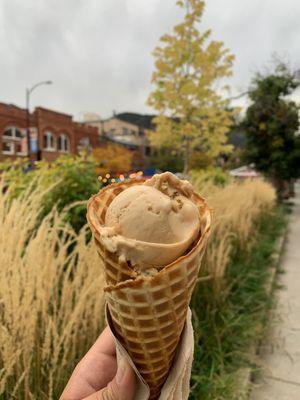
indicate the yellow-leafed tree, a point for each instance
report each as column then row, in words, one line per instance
column 188, row 70
column 112, row 158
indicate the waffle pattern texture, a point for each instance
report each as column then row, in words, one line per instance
column 148, row 312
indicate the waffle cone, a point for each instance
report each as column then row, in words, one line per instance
column 148, row 312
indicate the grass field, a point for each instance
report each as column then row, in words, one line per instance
column 51, row 299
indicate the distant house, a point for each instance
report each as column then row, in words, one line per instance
column 52, row 132
column 129, row 130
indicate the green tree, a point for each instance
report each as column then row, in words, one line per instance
column 188, row 67
column 166, row 159
column 272, row 123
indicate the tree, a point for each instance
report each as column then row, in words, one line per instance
column 166, row 159
column 272, row 123
column 192, row 113
column 113, row 158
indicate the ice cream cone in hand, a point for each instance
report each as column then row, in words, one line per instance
column 151, row 237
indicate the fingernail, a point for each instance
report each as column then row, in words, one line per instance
column 121, row 371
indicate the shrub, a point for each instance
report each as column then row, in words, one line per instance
column 213, row 176
column 237, row 209
column 72, row 179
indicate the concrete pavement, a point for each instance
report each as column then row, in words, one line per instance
column 281, row 351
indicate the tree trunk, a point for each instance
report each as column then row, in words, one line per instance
column 186, row 157
column 280, row 188
column 292, row 187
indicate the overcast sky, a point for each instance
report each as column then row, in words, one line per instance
column 98, row 52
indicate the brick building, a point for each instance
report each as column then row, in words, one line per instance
column 56, row 133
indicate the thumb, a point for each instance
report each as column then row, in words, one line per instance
column 122, row 387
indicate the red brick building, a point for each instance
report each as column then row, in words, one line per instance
column 56, row 133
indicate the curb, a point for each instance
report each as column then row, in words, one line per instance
column 245, row 375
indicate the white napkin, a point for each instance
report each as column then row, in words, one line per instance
column 177, row 385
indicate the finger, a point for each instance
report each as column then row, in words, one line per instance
column 122, row 387
column 105, row 344
column 95, row 370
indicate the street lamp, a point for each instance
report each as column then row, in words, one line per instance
column 28, row 93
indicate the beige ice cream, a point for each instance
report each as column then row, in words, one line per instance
column 153, row 223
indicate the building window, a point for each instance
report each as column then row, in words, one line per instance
column 84, row 144
column 125, row 131
column 12, row 133
column 19, row 148
column 8, row 133
column 13, row 141
column 63, row 143
column 49, row 141
column 147, row 151
column 18, row 134
column 7, row 148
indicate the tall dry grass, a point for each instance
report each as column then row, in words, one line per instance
column 51, row 301
column 237, row 209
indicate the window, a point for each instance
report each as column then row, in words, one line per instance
column 147, row 151
column 49, row 142
column 85, row 141
column 125, row 131
column 18, row 134
column 18, row 148
column 63, row 143
column 13, row 141
column 8, row 133
column 13, row 133
column 7, row 148
column 84, row 144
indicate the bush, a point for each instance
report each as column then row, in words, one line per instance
column 71, row 179
column 210, row 176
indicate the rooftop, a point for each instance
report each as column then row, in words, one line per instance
column 141, row 120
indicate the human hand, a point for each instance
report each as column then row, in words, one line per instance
column 98, row 377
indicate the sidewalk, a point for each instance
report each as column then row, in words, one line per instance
column 281, row 352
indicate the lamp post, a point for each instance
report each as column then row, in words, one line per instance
column 28, row 93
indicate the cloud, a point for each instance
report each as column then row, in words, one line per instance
column 98, row 53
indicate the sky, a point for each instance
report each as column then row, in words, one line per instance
column 98, row 52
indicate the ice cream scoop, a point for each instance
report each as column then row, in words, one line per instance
column 153, row 223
